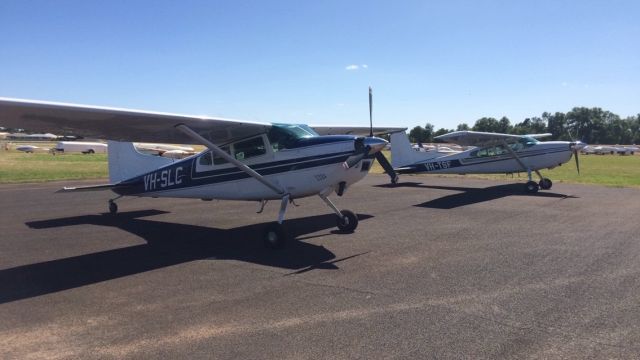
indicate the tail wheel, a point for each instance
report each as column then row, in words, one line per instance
column 545, row 184
column 275, row 237
column 348, row 222
column 532, row 187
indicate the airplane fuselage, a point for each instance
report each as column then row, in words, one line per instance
column 312, row 166
column 497, row 159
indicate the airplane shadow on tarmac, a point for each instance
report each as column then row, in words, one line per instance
column 167, row 244
column 469, row 195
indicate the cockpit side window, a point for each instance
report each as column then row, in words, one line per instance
column 284, row 136
column 280, row 138
column 523, row 143
column 249, row 148
column 480, row 153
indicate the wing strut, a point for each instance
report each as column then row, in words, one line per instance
column 194, row 135
column 517, row 158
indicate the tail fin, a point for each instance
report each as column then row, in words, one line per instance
column 401, row 151
column 126, row 162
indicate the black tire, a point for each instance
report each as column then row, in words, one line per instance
column 348, row 222
column 275, row 237
column 113, row 207
column 545, row 184
column 90, row 151
column 532, row 187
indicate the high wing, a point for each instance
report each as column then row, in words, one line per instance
column 120, row 124
column 537, row 136
column 477, row 138
column 355, row 130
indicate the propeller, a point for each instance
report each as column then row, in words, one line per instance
column 382, row 160
column 576, row 145
column 361, row 150
column 370, row 113
column 365, row 146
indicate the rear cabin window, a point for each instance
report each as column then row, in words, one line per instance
column 501, row 150
column 249, row 148
column 210, row 159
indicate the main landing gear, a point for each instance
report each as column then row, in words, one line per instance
column 275, row 235
column 113, row 207
column 532, row 187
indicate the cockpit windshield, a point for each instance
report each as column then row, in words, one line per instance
column 528, row 141
column 283, row 136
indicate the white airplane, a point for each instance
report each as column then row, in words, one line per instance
column 625, row 150
column 245, row 160
column 632, row 149
column 609, row 150
column 493, row 153
column 31, row 148
column 165, row 150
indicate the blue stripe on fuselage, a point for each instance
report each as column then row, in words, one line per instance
column 444, row 164
column 183, row 174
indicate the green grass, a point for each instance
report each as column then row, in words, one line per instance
column 607, row 170
column 18, row 167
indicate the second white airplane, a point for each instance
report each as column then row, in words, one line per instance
column 491, row 153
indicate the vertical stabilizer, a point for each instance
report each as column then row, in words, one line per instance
column 126, row 162
column 401, row 151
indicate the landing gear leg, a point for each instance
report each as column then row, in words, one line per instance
column 347, row 221
column 275, row 236
column 532, row 187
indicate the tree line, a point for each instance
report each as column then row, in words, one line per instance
column 589, row 125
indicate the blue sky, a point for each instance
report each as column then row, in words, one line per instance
column 311, row 62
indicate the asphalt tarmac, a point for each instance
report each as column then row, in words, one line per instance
column 438, row 268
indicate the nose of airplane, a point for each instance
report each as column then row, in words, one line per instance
column 577, row 145
column 374, row 144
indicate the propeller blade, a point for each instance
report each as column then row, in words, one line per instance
column 575, row 153
column 353, row 160
column 370, row 113
column 382, row 160
column 358, row 155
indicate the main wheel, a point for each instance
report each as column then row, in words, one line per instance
column 348, row 222
column 113, row 207
column 532, row 187
column 545, row 184
column 275, row 237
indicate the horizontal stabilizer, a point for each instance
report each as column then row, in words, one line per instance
column 87, row 188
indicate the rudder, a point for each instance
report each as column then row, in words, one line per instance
column 126, row 162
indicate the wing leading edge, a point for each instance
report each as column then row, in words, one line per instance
column 120, row 124
column 355, row 130
column 139, row 126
